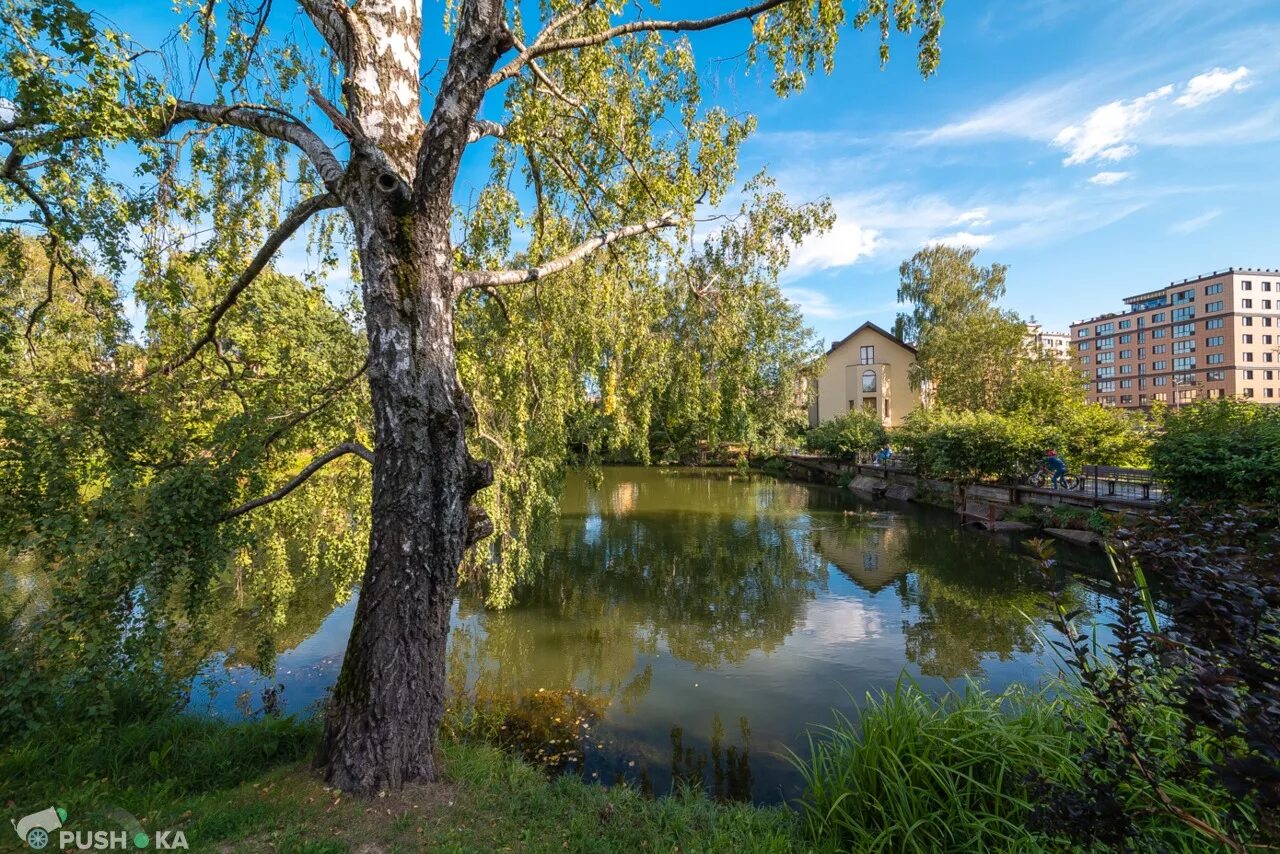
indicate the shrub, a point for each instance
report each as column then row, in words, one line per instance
column 971, row 446
column 1189, row 751
column 1220, row 450
column 847, row 436
column 1097, row 435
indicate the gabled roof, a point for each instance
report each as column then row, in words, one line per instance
column 869, row 325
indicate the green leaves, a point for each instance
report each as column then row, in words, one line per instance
column 1220, row 450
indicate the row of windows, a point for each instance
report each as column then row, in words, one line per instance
column 1248, row 286
column 1179, row 314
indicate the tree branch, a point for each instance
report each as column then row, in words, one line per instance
column 481, row 128
column 301, row 478
column 299, row 215
column 490, row 278
column 543, row 46
column 279, row 125
column 297, row 418
column 330, row 19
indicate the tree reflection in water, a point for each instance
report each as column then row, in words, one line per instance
column 780, row 599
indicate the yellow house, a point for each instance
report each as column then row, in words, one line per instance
column 869, row 369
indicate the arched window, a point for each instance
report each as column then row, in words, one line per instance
column 868, row 381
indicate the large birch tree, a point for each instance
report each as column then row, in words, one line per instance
column 246, row 124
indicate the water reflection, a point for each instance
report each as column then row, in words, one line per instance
column 700, row 620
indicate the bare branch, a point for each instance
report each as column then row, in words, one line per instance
column 301, row 478
column 481, row 128
column 491, row 278
column 268, row 121
column 299, row 215
column 543, row 46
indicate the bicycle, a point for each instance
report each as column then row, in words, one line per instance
column 1043, row 479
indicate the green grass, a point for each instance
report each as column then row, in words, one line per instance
column 911, row 773
column 918, row 774
column 250, row 787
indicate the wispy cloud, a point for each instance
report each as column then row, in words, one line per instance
column 1106, row 179
column 1205, row 87
column 963, row 238
column 1196, row 223
column 1033, row 114
column 1106, row 133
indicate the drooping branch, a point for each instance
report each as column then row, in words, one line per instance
column 299, row 215
column 543, row 46
column 301, row 478
column 492, row 278
column 264, row 120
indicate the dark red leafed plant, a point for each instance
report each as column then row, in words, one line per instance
column 1185, row 711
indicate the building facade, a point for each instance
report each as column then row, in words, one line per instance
column 1039, row 340
column 870, row 369
column 1211, row 336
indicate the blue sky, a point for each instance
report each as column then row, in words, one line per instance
column 1098, row 149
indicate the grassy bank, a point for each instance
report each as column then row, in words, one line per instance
column 249, row 787
column 911, row 773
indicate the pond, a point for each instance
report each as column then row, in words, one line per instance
column 692, row 623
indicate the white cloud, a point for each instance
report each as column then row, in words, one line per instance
column 1205, row 87
column 1106, row 132
column 1195, row 223
column 813, row 304
column 963, row 238
column 976, row 218
column 846, row 243
column 1106, row 179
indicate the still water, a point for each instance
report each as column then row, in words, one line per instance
column 691, row 624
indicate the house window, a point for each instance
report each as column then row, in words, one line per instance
column 1158, row 366
column 1215, row 341
column 1183, row 313
column 1246, row 321
column 869, row 382
column 1248, row 392
column 1246, row 303
column 1158, row 317
column 1215, row 288
column 1216, row 358
column 1213, row 323
column 867, row 355
column 1246, row 286
column 1216, row 305
column 1158, row 333
column 1083, row 345
column 1248, row 357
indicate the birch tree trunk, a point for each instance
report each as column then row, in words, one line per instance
column 389, row 698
